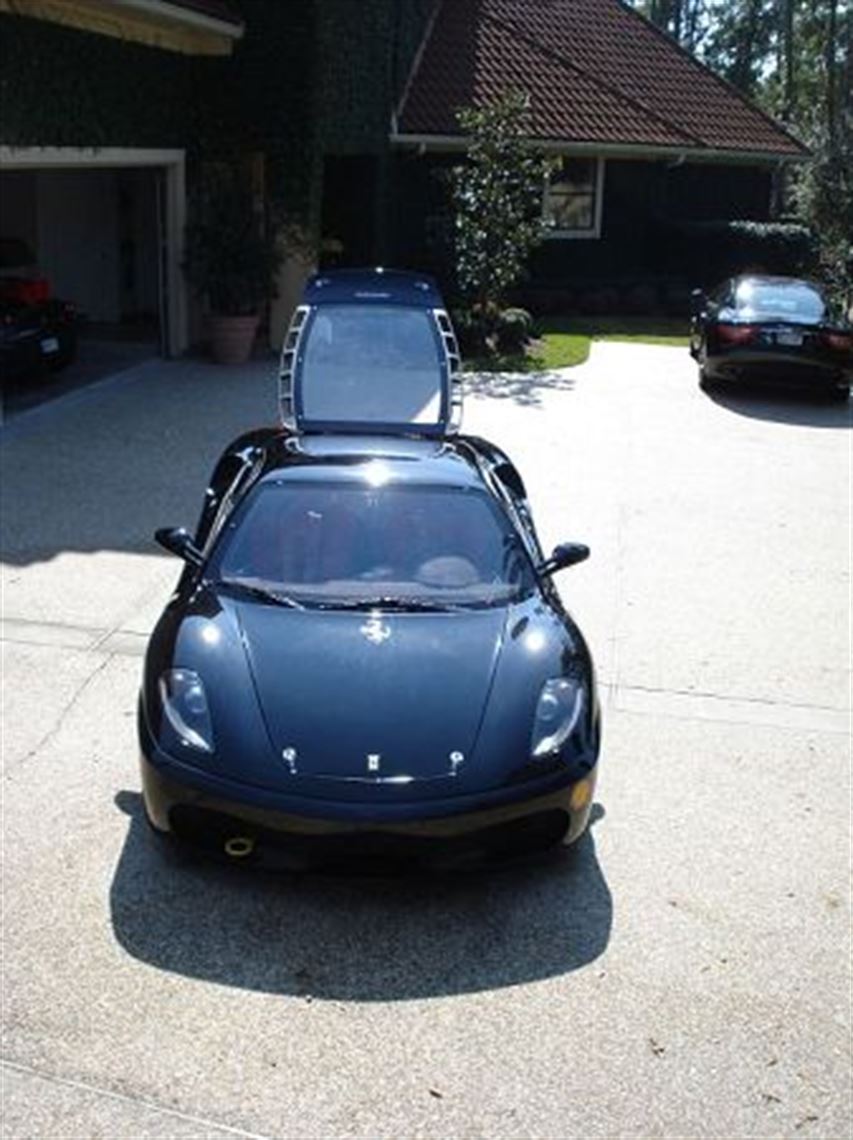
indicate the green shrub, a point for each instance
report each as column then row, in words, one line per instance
column 514, row 329
column 716, row 250
column 231, row 257
column 472, row 331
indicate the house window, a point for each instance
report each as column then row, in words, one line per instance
column 573, row 198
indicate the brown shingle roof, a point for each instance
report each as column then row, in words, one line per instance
column 596, row 72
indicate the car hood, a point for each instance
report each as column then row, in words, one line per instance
column 392, row 697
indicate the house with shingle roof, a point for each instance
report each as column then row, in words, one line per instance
column 600, row 79
column 344, row 114
column 649, row 139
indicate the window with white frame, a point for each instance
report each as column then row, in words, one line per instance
column 572, row 205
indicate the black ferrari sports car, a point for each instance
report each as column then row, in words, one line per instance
column 772, row 330
column 366, row 657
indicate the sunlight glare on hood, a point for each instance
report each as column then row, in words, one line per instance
column 535, row 641
column 377, row 473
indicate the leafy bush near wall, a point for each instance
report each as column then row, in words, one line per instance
column 514, row 330
column 712, row 251
column 483, row 331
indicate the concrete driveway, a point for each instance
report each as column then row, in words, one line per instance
column 688, row 975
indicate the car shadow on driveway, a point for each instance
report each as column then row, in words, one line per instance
column 357, row 939
column 810, row 409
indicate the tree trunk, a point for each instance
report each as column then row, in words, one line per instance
column 831, row 99
column 787, row 60
column 742, row 76
column 690, row 34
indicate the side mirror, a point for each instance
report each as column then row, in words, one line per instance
column 697, row 301
column 179, row 541
column 566, row 554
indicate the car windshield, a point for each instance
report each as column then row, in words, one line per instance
column 371, row 364
column 783, row 300
column 352, row 544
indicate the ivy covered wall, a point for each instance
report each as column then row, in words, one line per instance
column 308, row 78
column 63, row 87
column 366, row 50
column 267, row 99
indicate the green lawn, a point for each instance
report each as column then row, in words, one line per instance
column 642, row 330
column 565, row 341
column 552, row 350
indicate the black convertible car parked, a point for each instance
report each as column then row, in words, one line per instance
column 772, row 330
column 366, row 657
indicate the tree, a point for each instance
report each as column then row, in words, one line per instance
column 795, row 58
column 811, row 89
column 497, row 199
column 684, row 20
column 740, row 41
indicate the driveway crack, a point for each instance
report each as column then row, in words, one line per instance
column 53, row 732
column 135, row 1101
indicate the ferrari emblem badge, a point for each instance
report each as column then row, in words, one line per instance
column 376, row 631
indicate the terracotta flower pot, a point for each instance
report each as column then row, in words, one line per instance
column 231, row 338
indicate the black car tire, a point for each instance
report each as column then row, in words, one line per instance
column 169, row 847
column 705, row 381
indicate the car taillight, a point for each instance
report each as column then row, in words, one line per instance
column 841, row 342
column 737, row 334
column 32, row 292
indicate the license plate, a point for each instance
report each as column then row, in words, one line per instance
column 49, row 344
column 789, row 338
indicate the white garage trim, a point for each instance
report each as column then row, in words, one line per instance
column 173, row 162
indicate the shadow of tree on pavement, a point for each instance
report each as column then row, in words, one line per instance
column 524, row 388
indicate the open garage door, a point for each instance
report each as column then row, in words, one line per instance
column 105, row 228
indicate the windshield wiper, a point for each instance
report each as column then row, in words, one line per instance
column 390, row 603
column 261, row 593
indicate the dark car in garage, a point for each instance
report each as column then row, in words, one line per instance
column 780, row 331
column 38, row 331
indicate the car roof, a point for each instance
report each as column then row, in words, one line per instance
column 376, row 286
column 452, row 462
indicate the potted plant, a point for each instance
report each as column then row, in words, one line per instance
column 230, row 260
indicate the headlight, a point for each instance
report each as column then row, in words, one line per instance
column 185, row 706
column 558, row 713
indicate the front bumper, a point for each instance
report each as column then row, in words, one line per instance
column 437, row 835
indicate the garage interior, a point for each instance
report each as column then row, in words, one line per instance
column 98, row 236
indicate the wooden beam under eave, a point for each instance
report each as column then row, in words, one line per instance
column 103, row 18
